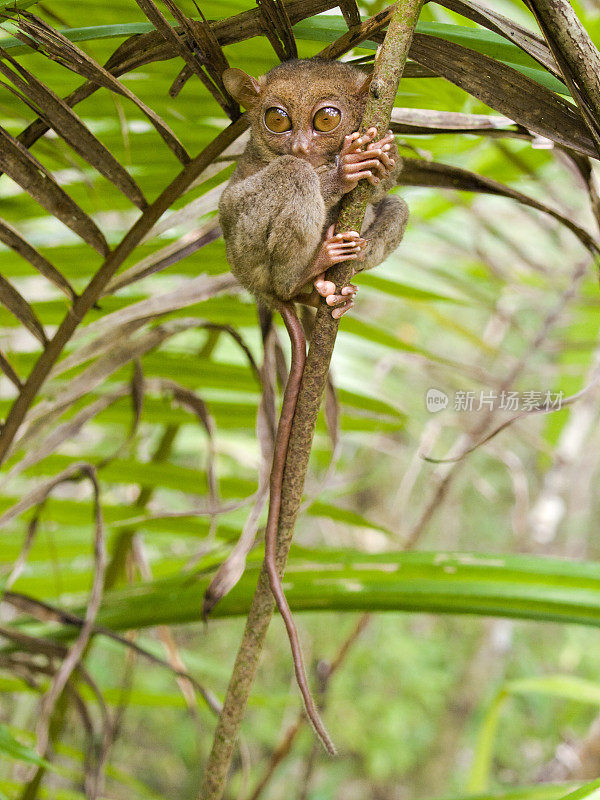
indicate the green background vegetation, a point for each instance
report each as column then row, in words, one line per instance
column 491, row 679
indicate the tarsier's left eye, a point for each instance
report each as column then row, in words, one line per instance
column 327, row 119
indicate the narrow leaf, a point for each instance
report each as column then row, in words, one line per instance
column 531, row 44
column 12, row 748
column 11, row 238
column 10, row 373
column 70, row 127
column 521, row 587
column 568, row 687
column 18, row 306
column 505, row 90
column 185, row 246
column 589, row 791
column 58, row 47
column 49, row 440
column 18, row 163
column 426, row 120
column 418, row 172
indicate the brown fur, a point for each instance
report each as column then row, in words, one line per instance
column 277, row 206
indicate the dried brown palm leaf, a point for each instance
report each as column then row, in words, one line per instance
column 278, row 28
column 350, row 11
column 146, row 48
column 45, row 612
column 75, row 653
column 46, row 440
column 576, row 55
column 9, row 371
column 62, row 119
column 47, row 360
column 232, row 569
column 213, row 57
column 528, row 42
column 192, row 401
column 25, row 170
column 112, row 350
column 41, row 36
column 505, row 90
column 357, row 34
column 13, row 239
column 190, row 292
column 418, row 172
column 410, row 121
column 122, row 352
column 167, row 256
column 184, row 47
column 17, row 305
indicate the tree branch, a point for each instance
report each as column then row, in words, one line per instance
column 388, row 70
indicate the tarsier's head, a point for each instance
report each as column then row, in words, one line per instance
column 302, row 108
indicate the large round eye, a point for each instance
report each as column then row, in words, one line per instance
column 277, row 120
column 326, row 119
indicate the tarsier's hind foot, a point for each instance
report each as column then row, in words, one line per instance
column 339, row 303
column 336, row 248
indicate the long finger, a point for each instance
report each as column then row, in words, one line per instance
column 351, row 143
column 363, row 155
column 355, row 244
column 386, row 140
column 347, row 235
column 371, row 164
column 339, row 257
column 335, row 300
column 343, row 238
column 341, row 310
column 366, row 137
column 337, row 251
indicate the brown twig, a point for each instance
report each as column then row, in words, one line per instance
column 388, row 70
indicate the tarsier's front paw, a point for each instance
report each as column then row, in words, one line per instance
column 373, row 164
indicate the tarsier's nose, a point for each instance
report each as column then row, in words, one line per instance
column 300, row 145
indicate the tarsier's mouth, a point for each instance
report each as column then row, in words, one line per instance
column 313, row 159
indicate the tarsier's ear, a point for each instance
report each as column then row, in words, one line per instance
column 243, row 88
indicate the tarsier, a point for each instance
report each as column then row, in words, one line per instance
column 278, row 216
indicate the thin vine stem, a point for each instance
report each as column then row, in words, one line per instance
column 389, row 66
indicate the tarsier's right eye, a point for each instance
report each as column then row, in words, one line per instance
column 277, row 120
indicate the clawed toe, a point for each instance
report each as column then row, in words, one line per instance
column 323, row 287
column 341, row 310
column 342, row 302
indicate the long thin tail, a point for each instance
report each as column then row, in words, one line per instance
column 288, row 407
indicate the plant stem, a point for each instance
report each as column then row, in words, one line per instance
column 388, row 70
